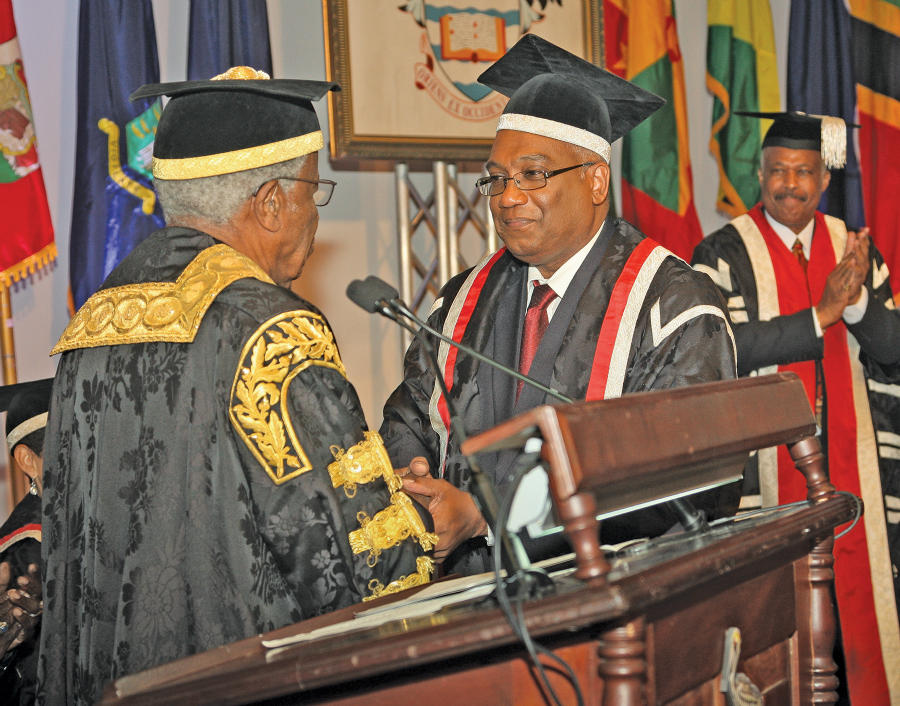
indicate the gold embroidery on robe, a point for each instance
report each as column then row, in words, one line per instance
column 389, row 527
column 275, row 354
column 158, row 311
column 424, row 572
column 362, row 463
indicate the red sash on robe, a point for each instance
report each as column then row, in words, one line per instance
column 866, row 677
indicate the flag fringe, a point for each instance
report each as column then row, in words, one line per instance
column 31, row 264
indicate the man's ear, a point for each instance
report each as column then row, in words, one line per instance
column 599, row 174
column 267, row 205
column 26, row 459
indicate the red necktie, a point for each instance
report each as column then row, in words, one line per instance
column 536, row 322
column 797, row 249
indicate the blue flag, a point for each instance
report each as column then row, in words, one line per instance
column 226, row 33
column 821, row 81
column 115, row 206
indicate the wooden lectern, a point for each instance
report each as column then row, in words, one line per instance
column 645, row 625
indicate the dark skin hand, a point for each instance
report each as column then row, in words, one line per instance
column 20, row 607
column 844, row 284
column 456, row 517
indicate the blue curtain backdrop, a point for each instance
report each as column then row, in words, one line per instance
column 821, row 81
column 114, row 205
column 226, row 33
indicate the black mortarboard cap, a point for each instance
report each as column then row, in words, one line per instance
column 799, row 131
column 556, row 94
column 236, row 121
column 26, row 405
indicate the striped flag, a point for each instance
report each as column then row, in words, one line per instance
column 657, row 187
column 27, row 243
column 820, row 81
column 875, row 26
column 226, row 33
column 741, row 74
column 114, row 206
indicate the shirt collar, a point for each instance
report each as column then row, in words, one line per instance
column 560, row 280
column 788, row 236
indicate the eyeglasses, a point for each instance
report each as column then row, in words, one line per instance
column 495, row 184
column 322, row 194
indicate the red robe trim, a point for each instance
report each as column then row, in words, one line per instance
column 612, row 318
column 32, row 531
column 866, row 677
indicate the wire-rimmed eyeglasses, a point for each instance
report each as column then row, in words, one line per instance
column 495, row 184
column 322, row 194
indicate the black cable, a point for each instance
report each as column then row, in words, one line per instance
column 517, row 621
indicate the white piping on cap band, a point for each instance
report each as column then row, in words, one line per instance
column 557, row 131
column 25, row 428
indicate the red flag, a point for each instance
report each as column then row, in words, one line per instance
column 26, row 232
column 657, row 186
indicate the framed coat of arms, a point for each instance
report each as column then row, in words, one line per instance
column 408, row 70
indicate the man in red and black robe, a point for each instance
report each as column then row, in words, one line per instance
column 625, row 314
column 807, row 296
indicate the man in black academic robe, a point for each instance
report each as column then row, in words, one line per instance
column 809, row 297
column 628, row 317
column 208, row 471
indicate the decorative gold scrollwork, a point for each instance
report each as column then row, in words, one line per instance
column 275, row 354
column 424, row 572
column 362, row 463
column 158, row 311
column 389, row 527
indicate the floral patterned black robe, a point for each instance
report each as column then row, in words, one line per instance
column 193, row 485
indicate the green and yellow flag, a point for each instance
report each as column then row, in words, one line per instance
column 742, row 75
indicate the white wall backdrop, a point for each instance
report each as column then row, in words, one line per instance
column 356, row 230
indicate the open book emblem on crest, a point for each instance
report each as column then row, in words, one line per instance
column 460, row 39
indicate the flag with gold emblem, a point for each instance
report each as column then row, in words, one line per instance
column 27, row 240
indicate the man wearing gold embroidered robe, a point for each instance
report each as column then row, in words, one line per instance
column 209, row 474
column 807, row 296
column 628, row 315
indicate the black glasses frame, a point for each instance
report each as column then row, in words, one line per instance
column 487, row 184
column 321, row 196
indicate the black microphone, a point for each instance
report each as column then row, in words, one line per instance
column 376, row 295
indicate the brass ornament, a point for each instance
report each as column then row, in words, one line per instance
column 362, row 463
column 158, row 311
column 278, row 351
column 389, row 527
column 424, row 572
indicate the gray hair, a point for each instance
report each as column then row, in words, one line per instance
column 218, row 198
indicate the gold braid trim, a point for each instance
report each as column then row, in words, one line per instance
column 158, row 311
column 278, row 351
column 389, row 527
column 424, row 572
column 238, row 160
column 362, row 463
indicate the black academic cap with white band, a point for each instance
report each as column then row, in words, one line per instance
column 239, row 120
column 26, row 405
column 800, row 131
column 556, row 94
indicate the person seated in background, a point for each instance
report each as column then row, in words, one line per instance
column 578, row 299
column 807, row 296
column 209, row 473
column 26, row 406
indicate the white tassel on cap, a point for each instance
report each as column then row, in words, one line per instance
column 834, row 142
